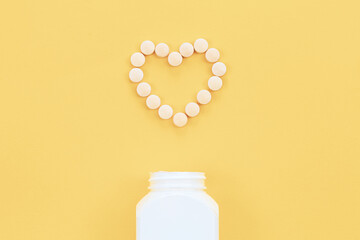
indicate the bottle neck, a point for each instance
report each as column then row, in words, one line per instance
column 177, row 181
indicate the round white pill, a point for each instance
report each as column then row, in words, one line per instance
column 204, row 96
column 153, row 102
column 147, row 47
column 219, row 69
column 162, row 50
column 186, row 49
column 137, row 59
column 165, row 112
column 215, row 83
column 201, row 45
column 175, row 59
column 180, row 119
column 136, row 75
column 192, row 109
column 143, row 89
column 212, row 55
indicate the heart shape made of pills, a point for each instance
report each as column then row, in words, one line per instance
column 175, row 58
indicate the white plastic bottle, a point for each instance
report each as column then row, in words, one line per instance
column 177, row 208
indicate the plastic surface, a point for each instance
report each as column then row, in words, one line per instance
column 177, row 208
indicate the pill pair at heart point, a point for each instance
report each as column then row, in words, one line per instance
column 166, row 112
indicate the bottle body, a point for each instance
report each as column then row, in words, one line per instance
column 177, row 208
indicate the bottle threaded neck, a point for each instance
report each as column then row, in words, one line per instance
column 177, row 180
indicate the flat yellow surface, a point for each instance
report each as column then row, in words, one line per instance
column 280, row 143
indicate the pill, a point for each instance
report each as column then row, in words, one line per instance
column 201, row 45
column 162, row 50
column 136, row 75
column 137, row 59
column 175, row 59
column 147, row 47
column 153, row 102
column 212, row 55
column 165, row 112
column 215, row 83
column 192, row 109
column 180, row 119
column 186, row 49
column 143, row 89
column 204, row 96
column 219, row 69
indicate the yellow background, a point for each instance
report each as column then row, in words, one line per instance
column 279, row 143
